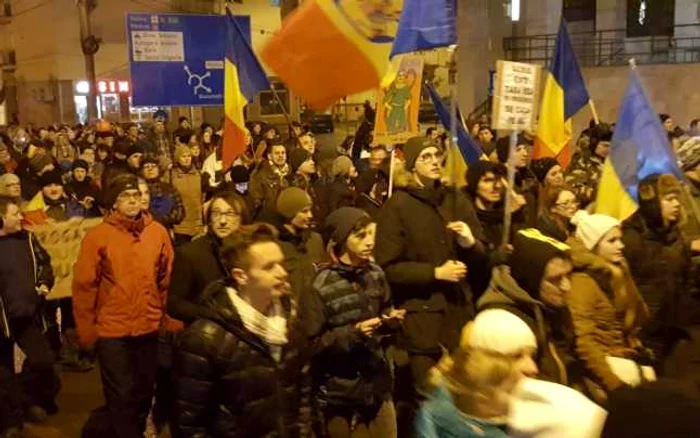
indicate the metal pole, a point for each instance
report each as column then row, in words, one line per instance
column 507, row 219
column 85, row 36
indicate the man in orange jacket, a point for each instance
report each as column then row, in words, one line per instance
column 119, row 296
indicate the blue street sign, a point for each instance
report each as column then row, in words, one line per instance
column 178, row 59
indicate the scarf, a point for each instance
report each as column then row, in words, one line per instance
column 271, row 328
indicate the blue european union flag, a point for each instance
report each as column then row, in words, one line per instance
column 640, row 145
column 424, row 25
column 470, row 150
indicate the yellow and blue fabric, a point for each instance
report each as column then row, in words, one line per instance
column 564, row 95
column 640, row 148
column 425, row 25
column 468, row 150
column 243, row 79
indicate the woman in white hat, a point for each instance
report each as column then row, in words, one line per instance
column 475, row 383
column 606, row 307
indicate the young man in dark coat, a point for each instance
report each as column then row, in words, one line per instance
column 660, row 263
column 243, row 370
column 25, row 276
column 426, row 246
column 346, row 313
column 533, row 286
column 198, row 263
column 302, row 247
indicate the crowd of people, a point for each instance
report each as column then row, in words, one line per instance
column 292, row 295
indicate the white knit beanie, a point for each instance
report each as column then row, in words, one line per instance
column 500, row 331
column 590, row 228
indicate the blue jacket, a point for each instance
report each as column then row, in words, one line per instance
column 440, row 418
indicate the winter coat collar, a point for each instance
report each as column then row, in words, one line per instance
column 503, row 289
column 131, row 226
column 222, row 311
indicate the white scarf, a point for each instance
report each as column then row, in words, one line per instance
column 271, row 328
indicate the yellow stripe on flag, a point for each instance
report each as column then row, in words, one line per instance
column 234, row 101
column 612, row 199
column 553, row 132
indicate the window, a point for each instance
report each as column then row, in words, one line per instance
column 269, row 106
column 650, row 18
column 579, row 10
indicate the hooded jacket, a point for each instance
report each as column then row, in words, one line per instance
column 556, row 359
column 121, row 278
column 351, row 372
column 607, row 312
column 659, row 261
column 413, row 240
column 228, row 385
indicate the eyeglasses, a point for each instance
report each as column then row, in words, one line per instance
column 425, row 158
column 224, row 214
column 150, row 166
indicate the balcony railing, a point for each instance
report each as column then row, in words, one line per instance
column 611, row 47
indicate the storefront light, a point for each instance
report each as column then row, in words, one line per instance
column 82, row 87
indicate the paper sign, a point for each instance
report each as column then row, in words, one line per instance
column 515, row 96
column 398, row 102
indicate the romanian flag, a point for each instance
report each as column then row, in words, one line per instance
column 467, row 150
column 329, row 49
column 639, row 148
column 564, row 95
column 243, row 79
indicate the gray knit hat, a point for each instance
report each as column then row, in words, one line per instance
column 340, row 223
column 412, row 149
column 291, row 201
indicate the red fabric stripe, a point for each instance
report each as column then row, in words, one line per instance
column 233, row 144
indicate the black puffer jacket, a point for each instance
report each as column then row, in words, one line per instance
column 351, row 373
column 228, row 385
column 413, row 240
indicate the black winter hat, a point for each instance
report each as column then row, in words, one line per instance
column 339, row 224
column 655, row 409
column 117, row 185
column 297, row 157
column 150, row 159
column 532, row 251
column 239, row 174
column 542, row 166
column 412, row 149
column 121, row 147
column 51, row 177
column 503, row 147
column 80, row 164
column 136, row 148
column 477, row 170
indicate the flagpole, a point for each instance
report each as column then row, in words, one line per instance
column 508, row 216
column 596, row 120
column 391, row 172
